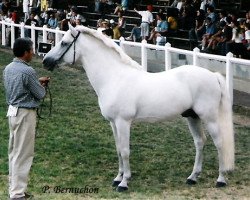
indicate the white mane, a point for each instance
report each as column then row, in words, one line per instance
column 109, row 43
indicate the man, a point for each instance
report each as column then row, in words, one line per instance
column 26, row 4
column 23, row 94
column 32, row 21
column 147, row 19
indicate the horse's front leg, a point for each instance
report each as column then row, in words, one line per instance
column 123, row 136
column 118, row 178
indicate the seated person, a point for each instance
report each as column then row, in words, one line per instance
column 210, row 30
column 161, row 28
column 135, row 34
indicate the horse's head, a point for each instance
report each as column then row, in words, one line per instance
column 65, row 50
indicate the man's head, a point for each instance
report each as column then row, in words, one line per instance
column 23, row 48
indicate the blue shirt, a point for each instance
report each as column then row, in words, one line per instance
column 22, row 86
column 211, row 29
column 163, row 25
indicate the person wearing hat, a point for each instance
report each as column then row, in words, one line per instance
column 146, row 20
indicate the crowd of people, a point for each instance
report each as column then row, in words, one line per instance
column 217, row 31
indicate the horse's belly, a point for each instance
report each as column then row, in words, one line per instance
column 161, row 112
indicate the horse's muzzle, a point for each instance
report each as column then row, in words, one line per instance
column 49, row 63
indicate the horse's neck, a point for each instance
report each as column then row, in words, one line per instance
column 102, row 65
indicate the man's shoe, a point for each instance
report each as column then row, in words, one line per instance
column 28, row 196
column 20, row 198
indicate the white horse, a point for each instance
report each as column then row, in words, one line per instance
column 126, row 93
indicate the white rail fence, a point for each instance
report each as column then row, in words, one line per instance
column 196, row 54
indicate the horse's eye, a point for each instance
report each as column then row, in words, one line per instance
column 63, row 43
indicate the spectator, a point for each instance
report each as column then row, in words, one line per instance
column 64, row 24
column 121, row 7
column 177, row 4
column 236, row 45
column 103, row 8
column 52, row 22
column 172, row 19
column 187, row 16
column 29, row 22
column 100, row 25
column 8, row 28
column 147, row 19
column 247, row 17
column 16, row 20
column 210, row 30
column 222, row 15
column 121, row 22
column 211, row 13
column 247, row 36
column 200, row 28
column 74, row 15
column 26, row 4
column 6, row 7
column 135, row 34
column 197, row 4
column 205, row 4
column 116, row 31
column 226, row 36
column 108, row 31
column 161, row 29
column 44, row 16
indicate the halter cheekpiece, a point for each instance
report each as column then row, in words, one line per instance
column 73, row 42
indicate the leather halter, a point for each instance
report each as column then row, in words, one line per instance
column 73, row 42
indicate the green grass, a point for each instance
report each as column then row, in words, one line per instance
column 75, row 149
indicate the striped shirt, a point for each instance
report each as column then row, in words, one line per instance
column 22, row 86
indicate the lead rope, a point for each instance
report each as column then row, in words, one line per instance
column 39, row 110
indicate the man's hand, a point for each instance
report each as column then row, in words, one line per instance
column 44, row 80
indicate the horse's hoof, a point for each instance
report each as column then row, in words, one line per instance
column 115, row 183
column 190, row 182
column 121, row 189
column 220, row 184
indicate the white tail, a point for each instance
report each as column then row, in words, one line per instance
column 226, row 127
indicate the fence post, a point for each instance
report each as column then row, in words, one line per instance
column 33, row 35
column 3, row 34
column 229, row 75
column 121, row 43
column 12, row 35
column 195, row 56
column 57, row 36
column 45, row 34
column 22, row 30
column 167, row 56
column 144, row 55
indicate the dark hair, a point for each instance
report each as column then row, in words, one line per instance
column 161, row 15
column 21, row 45
column 223, row 23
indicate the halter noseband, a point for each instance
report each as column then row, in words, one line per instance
column 73, row 42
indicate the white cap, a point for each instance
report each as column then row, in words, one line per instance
column 111, row 21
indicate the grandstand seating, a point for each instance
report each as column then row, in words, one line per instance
column 180, row 39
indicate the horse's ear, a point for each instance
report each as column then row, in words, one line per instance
column 73, row 31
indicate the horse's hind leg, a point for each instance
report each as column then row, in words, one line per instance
column 118, row 178
column 213, row 129
column 195, row 128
